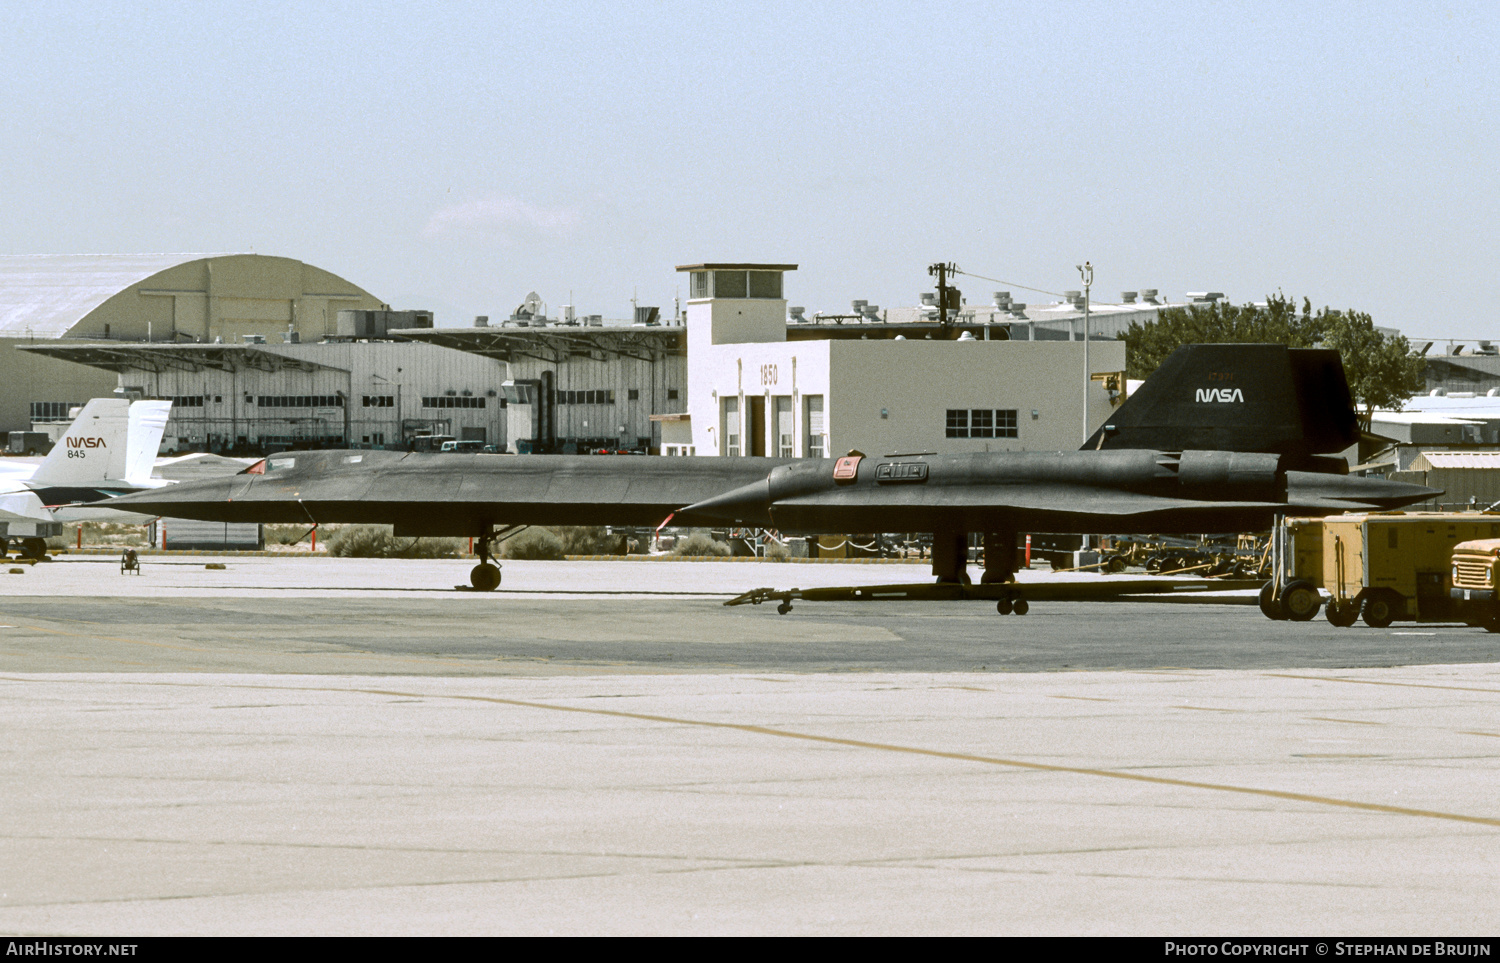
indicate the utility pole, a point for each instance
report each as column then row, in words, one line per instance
column 941, row 272
column 1086, row 271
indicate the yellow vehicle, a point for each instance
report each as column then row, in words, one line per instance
column 1474, row 581
column 1383, row 567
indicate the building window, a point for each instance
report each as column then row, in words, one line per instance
column 452, row 401
column 51, row 410
column 182, row 401
column 815, row 441
column 765, row 284
column 736, row 284
column 599, row 397
column 731, row 426
column 783, row 413
column 730, row 284
column 379, row 401
column 633, row 394
column 671, row 394
column 982, row 423
column 300, row 401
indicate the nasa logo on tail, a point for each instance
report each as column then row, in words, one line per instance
column 86, row 443
column 1221, row 395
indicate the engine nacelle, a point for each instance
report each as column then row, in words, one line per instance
column 1239, row 475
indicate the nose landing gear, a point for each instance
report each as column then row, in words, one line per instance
column 485, row 577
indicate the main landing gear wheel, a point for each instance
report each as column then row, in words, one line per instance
column 34, row 549
column 485, row 577
column 783, row 608
column 1016, row 604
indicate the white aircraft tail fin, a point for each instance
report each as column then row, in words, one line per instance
column 148, row 421
column 92, row 450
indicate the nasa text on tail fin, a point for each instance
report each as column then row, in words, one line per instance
column 92, row 450
column 1293, row 402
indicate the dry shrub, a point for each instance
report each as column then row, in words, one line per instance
column 104, row 533
column 537, row 544
column 589, row 540
column 282, row 534
column 700, row 544
column 376, row 541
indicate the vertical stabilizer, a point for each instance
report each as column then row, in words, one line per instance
column 148, row 421
column 92, row 450
column 1293, row 402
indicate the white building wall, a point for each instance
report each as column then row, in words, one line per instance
column 893, row 396
column 882, row 396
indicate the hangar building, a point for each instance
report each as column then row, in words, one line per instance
column 251, row 398
column 159, row 299
column 738, row 373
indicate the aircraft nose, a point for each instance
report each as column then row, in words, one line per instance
column 747, row 505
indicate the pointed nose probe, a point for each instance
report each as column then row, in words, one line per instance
column 749, row 505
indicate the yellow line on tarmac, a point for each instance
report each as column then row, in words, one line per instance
column 880, row 746
column 112, row 638
column 1404, row 685
column 960, row 756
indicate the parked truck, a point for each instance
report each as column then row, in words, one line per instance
column 1380, row 567
column 1474, row 582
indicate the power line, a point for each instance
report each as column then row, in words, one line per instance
column 1023, row 287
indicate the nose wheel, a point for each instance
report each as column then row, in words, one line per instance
column 1014, row 604
column 485, row 577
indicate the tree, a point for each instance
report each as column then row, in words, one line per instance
column 1383, row 371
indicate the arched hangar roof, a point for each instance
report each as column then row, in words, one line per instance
column 44, row 296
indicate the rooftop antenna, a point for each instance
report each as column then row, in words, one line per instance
column 1086, row 271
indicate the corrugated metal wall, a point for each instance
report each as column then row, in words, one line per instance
column 232, row 414
column 653, row 381
column 1461, row 486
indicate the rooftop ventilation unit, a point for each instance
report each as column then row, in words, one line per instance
column 1128, row 297
column 481, row 321
column 1205, row 297
column 1002, row 299
column 798, row 314
column 871, row 311
column 929, row 299
column 1149, row 295
column 1486, row 348
column 859, row 305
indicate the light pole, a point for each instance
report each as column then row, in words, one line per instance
column 1086, row 271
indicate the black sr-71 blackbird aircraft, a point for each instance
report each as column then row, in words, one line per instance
column 1222, row 438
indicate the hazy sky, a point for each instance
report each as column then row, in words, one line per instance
column 457, row 156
